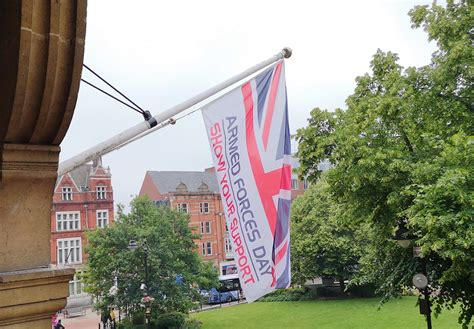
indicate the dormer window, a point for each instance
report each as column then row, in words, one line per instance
column 67, row 193
column 101, row 192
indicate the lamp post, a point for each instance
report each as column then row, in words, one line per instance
column 146, row 300
column 420, row 280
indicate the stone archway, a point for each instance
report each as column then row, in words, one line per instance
column 41, row 54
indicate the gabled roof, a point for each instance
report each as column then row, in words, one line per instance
column 167, row 181
column 80, row 176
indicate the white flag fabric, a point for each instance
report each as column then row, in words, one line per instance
column 250, row 143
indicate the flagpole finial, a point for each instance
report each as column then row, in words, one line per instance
column 286, row 52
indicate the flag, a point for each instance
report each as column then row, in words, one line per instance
column 249, row 138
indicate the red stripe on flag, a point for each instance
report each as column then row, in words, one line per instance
column 265, row 181
column 271, row 104
column 281, row 253
column 286, row 178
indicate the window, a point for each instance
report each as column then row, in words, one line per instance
column 228, row 246
column 102, row 218
column 209, row 248
column 69, row 251
column 182, row 207
column 76, row 286
column 68, row 221
column 67, row 193
column 101, row 192
column 204, row 207
column 206, row 249
column 305, row 184
column 205, row 227
column 294, row 184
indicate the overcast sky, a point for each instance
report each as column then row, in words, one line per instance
column 160, row 53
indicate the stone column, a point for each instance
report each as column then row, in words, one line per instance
column 41, row 54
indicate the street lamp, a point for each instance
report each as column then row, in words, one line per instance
column 419, row 280
column 146, row 300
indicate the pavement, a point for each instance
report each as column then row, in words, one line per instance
column 91, row 320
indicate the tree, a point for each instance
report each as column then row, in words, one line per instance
column 321, row 243
column 403, row 150
column 174, row 267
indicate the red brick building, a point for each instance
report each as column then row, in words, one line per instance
column 83, row 200
column 196, row 193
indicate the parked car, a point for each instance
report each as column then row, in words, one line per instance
column 222, row 297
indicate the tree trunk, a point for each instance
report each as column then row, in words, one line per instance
column 342, row 285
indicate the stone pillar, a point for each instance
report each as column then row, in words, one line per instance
column 41, row 54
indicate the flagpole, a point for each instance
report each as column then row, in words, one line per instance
column 128, row 134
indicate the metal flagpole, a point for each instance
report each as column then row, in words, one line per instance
column 117, row 140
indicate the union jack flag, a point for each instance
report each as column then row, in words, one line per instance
column 269, row 151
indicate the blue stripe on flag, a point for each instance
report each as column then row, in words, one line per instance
column 283, row 280
column 284, row 144
column 263, row 81
column 282, row 225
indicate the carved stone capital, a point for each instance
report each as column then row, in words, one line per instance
column 26, row 160
column 29, row 298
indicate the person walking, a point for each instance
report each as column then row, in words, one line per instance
column 59, row 325
column 54, row 320
column 105, row 318
column 112, row 317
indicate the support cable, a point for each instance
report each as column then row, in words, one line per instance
column 111, row 143
column 118, row 100
column 146, row 114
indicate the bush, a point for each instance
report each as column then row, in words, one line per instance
column 192, row 324
column 328, row 292
column 127, row 324
column 138, row 318
column 362, row 290
column 171, row 320
column 287, row 295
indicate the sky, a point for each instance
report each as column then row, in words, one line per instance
column 161, row 53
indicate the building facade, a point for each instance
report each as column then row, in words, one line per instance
column 83, row 200
column 197, row 194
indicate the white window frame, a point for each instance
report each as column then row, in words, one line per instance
column 182, row 207
column 305, row 184
column 68, row 221
column 69, row 251
column 227, row 245
column 66, row 193
column 204, row 207
column 76, row 287
column 206, row 228
column 203, row 249
column 101, row 192
column 294, row 184
column 209, row 248
column 100, row 219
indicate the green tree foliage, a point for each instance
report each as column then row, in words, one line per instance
column 322, row 243
column 403, row 149
column 171, row 253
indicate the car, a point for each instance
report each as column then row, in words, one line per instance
column 222, row 297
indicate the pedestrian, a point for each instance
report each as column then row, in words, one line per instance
column 54, row 320
column 112, row 317
column 104, row 317
column 59, row 325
